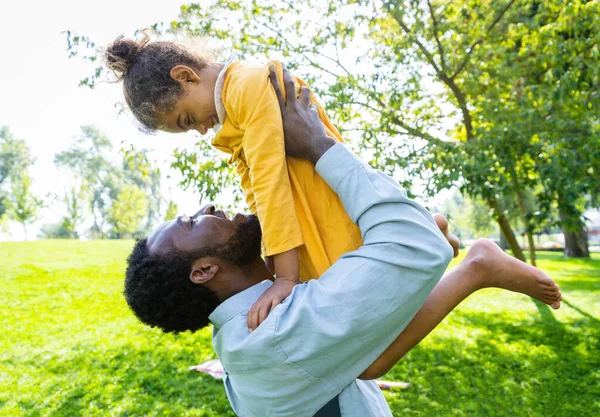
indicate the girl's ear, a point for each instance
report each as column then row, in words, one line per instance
column 184, row 74
column 203, row 271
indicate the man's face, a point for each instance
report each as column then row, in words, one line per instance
column 211, row 232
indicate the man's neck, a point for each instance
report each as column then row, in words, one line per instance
column 235, row 281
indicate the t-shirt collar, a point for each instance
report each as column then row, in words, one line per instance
column 219, row 105
column 238, row 303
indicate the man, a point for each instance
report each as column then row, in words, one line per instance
column 316, row 353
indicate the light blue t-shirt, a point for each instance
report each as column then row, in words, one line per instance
column 315, row 344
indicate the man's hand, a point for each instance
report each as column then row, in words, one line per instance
column 305, row 135
column 270, row 299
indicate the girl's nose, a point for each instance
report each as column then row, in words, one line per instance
column 202, row 130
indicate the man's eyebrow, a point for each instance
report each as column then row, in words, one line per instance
column 179, row 123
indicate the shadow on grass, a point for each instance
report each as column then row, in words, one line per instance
column 133, row 381
column 593, row 319
column 504, row 368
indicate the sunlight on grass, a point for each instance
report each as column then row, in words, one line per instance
column 71, row 348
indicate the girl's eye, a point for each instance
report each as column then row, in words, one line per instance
column 187, row 121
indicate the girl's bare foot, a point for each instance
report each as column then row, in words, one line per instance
column 442, row 223
column 494, row 268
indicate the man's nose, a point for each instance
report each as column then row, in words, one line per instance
column 207, row 209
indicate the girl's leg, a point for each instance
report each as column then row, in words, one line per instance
column 486, row 265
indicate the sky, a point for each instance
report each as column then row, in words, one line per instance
column 40, row 100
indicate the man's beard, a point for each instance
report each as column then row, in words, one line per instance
column 241, row 249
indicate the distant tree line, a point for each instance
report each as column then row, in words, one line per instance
column 123, row 200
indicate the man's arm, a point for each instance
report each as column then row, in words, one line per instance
column 336, row 327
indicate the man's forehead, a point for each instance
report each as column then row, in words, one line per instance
column 158, row 237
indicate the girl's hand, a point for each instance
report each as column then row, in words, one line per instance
column 279, row 291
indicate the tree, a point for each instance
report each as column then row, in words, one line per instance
column 23, row 205
column 138, row 170
column 14, row 157
column 88, row 159
column 55, row 231
column 76, row 201
column 128, row 211
column 549, row 78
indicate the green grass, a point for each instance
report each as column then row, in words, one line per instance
column 69, row 346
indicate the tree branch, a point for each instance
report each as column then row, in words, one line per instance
column 458, row 94
column 435, row 35
column 416, row 132
column 425, row 51
column 480, row 40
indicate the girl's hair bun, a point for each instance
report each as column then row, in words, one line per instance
column 120, row 54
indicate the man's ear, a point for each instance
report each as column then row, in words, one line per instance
column 203, row 271
column 184, row 74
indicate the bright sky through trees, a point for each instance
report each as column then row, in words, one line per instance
column 40, row 99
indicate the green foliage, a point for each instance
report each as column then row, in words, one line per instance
column 14, row 158
column 172, row 211
column 108, row 188
column 127, row 211
column 76, row 201
column 71, row 347
column 88, row 159
column 139, row 171
column 23, row 206
column 61, row 230
column 469, row 218
column 206, row 171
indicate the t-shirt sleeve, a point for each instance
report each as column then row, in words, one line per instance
column 251, row 101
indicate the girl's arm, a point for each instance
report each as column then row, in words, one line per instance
column 287, row 275
column 286, row 265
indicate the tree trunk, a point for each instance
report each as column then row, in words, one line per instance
column 503, row 242
column 526, row 223
column 576, row 241
column 531, row 248
column 25, row 230
column 506, row 230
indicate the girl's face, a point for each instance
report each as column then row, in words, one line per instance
column 195, row 109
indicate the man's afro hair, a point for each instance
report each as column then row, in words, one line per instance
column 159, row 291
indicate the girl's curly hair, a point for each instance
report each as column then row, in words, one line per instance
column 145, row 69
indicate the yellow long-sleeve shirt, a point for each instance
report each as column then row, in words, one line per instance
column 295, row 206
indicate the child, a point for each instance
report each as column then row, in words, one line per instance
column 305, row 227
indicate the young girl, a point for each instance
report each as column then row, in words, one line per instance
column 305, row 227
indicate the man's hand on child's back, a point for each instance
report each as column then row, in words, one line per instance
column 270, row 299
column 305, row 135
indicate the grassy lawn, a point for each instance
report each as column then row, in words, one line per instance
column 69, row 346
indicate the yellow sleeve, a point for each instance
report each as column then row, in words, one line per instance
column 252, row 104
column 244, row 174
